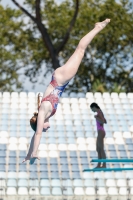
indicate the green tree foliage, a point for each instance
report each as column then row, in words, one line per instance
column 9, row 56
column 107, row 64
column 44, row 43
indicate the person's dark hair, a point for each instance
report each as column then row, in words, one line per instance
column 94, row 105
column 33, row 120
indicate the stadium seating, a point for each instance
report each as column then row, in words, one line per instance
column 67, row 148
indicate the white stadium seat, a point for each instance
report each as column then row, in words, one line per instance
column 22, row 191
column 11, row 191
column 66, row 149
column 34, row 191
column 56, row 191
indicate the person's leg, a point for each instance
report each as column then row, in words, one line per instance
column 101, row 146
column 103, row 155
column 69, row 69
column 98, row 152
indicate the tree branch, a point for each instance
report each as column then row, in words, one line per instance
column 45, row 36
column 24, row 10
column 38, row 11
column 131, row 70
column 41, row 26
column 66, row 37
column 37, row 20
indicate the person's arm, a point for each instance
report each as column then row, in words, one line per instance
column 44, row 130
column 100, row 118
column 30, row 149
column 46, row 125
column 39, row 98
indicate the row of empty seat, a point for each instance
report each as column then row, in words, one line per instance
column 121, row 95
column 67, row 148
column 108, row 182
column 66, row 191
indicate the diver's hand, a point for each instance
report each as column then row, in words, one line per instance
column 26, row 158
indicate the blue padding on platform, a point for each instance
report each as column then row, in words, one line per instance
column 107, row 169
column 111, row 160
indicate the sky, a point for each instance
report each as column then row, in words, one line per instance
column 9, row 2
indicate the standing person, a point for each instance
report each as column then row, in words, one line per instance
column 60, row 79
column 100, row 121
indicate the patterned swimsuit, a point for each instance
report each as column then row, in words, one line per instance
column 54, row 96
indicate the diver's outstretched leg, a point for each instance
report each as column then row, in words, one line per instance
column 69, row 69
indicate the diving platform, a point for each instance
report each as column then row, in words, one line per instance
column 112, row 160
column 107, row 169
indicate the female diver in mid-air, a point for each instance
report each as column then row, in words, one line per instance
column 60, row 78
column 100, row 121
